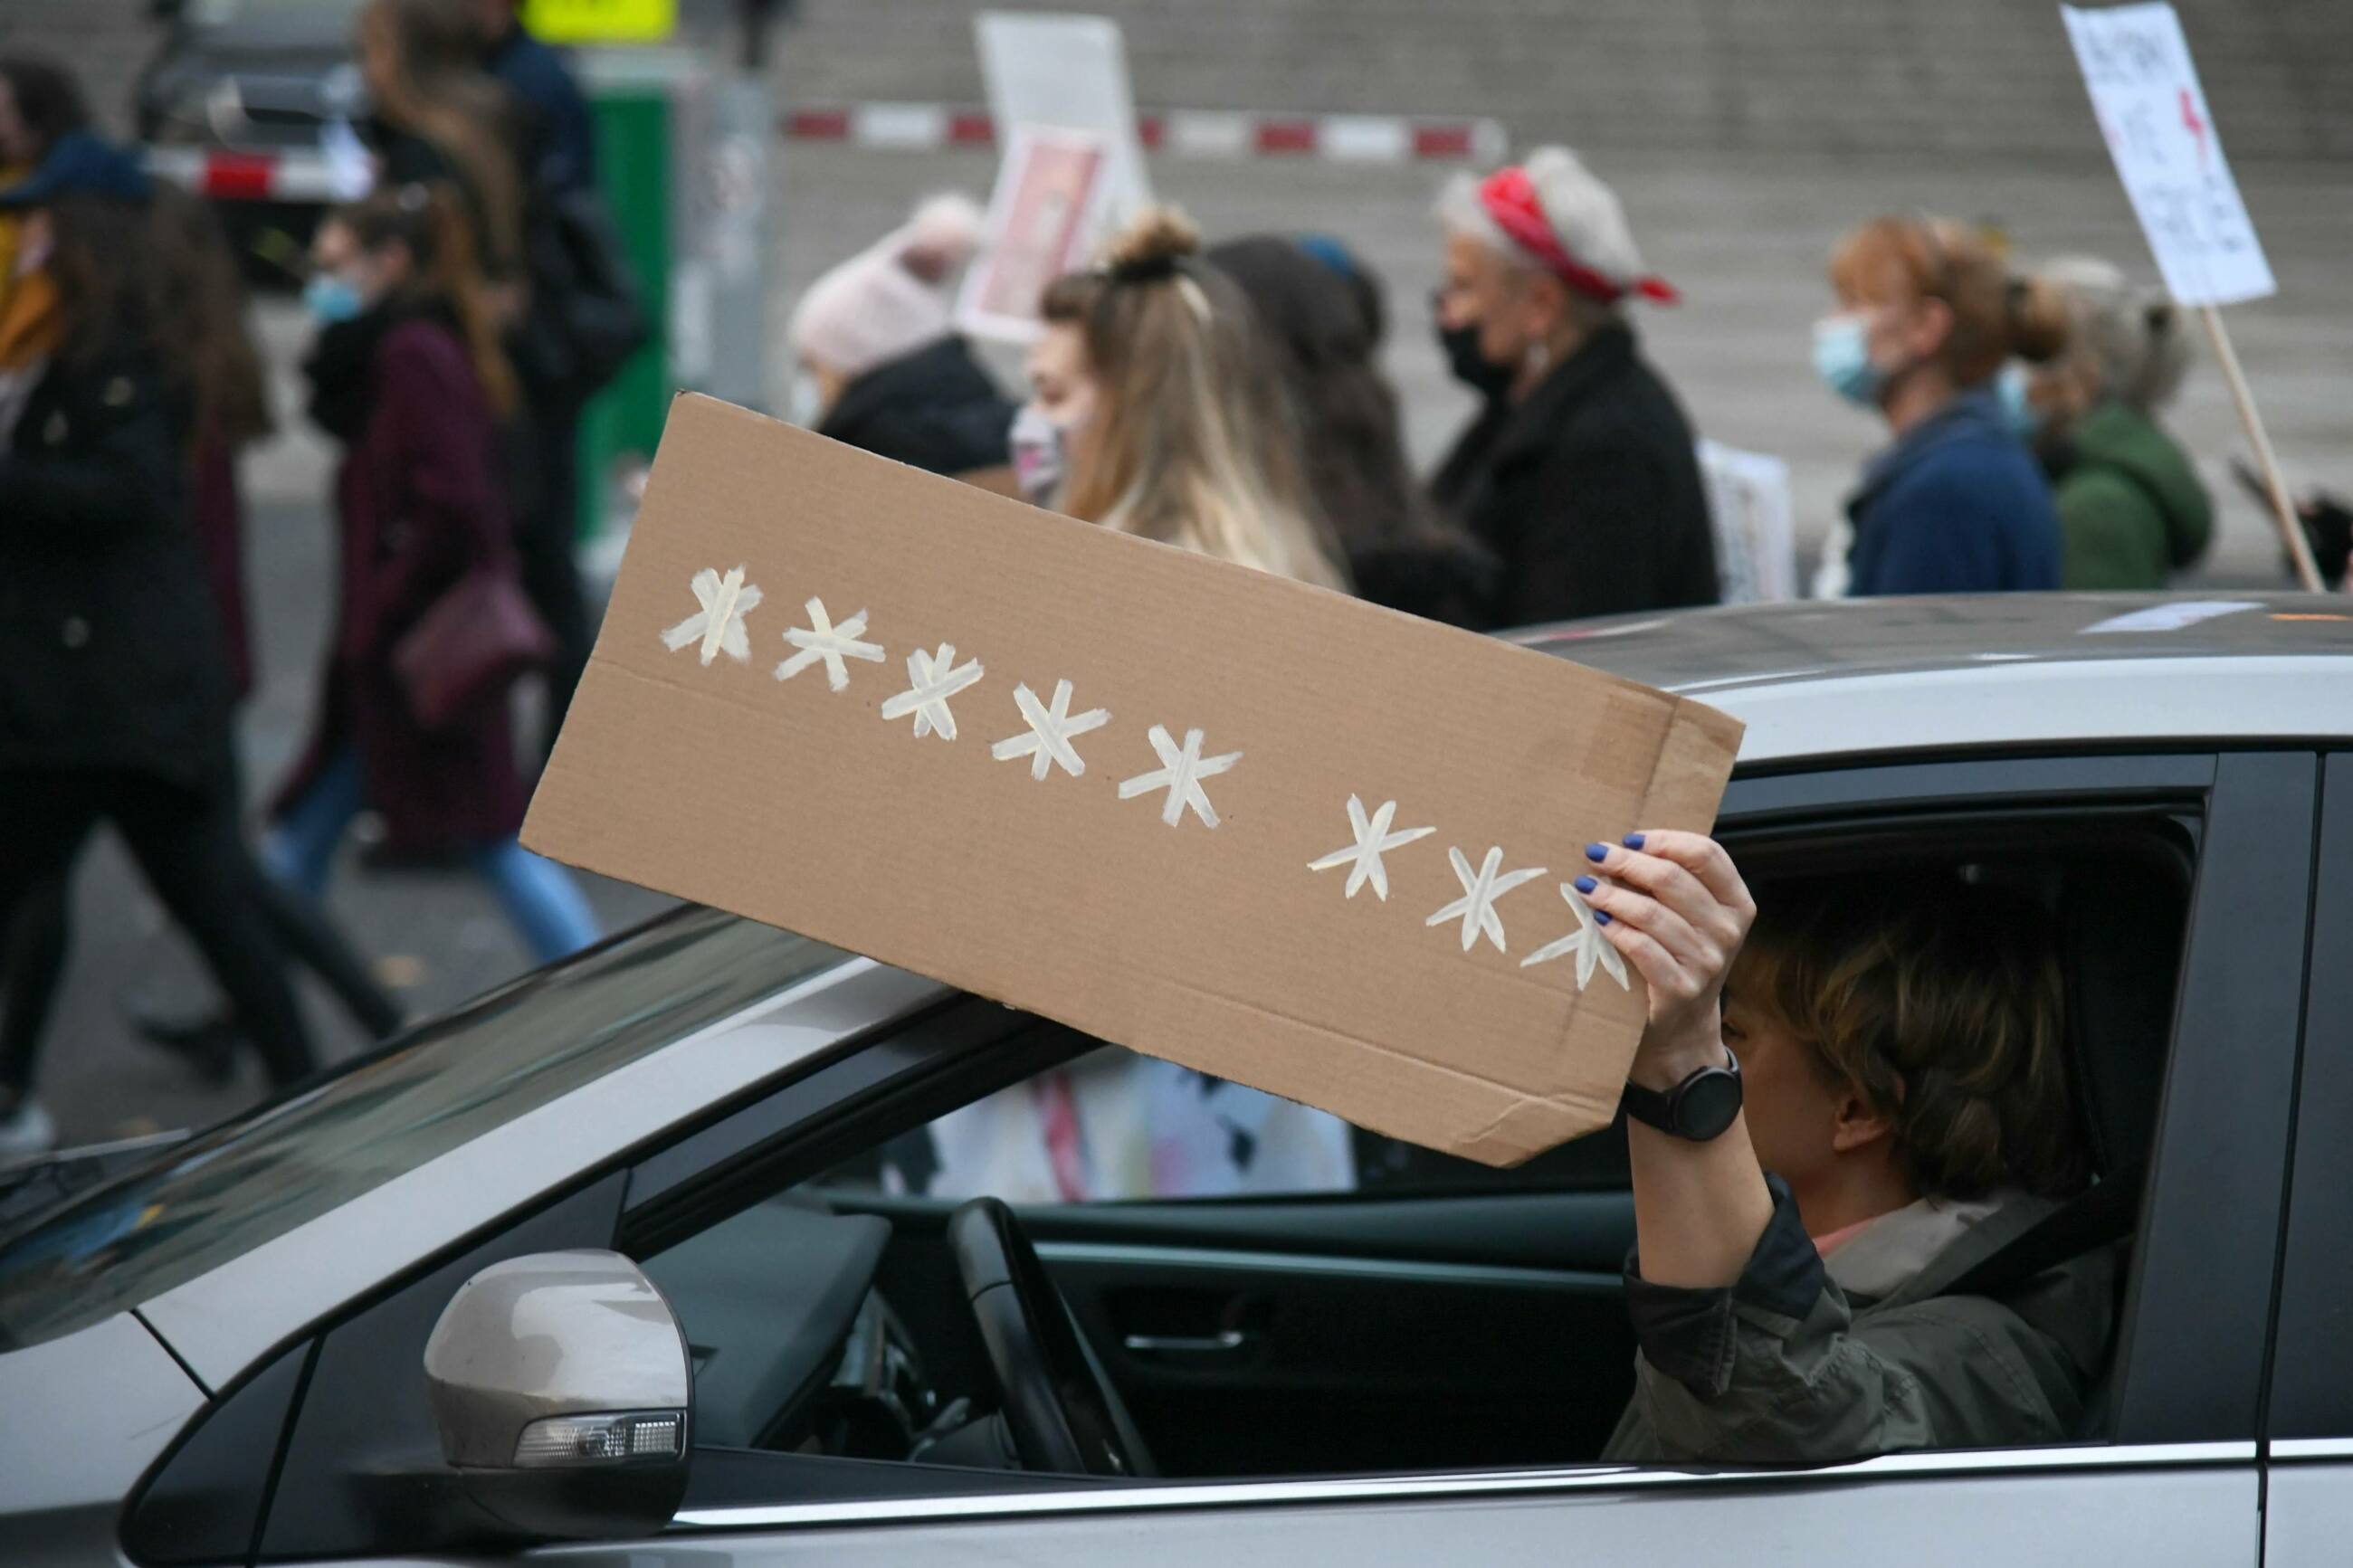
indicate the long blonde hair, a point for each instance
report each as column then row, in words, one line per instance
column 1193, row 442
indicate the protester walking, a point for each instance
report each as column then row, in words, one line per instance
column 1928, row 314
column 1580, row 471
column 437, row 117
column 580, row 319
column 1169, row 421
column 1166, row 409
column 2132, row 510
column 882, row 365
column 114, row 685
column 1325, row 313
column 407, row 373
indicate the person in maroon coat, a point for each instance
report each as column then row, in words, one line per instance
column 407, row 373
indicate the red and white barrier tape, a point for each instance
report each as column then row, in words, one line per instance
column 1183, row 132
column 308, row 176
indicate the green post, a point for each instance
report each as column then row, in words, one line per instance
column 635, row 96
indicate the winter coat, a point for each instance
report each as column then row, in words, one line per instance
column 1795, row 1362
column 1588, row 492
column 2131, row 510
column 420, row 505
column 1955, row 506
column 935, row 409
column 218, row 510
column 111, row 652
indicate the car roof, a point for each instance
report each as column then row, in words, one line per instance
column 1822, row 678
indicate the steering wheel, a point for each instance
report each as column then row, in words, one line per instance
column 1064, row 1414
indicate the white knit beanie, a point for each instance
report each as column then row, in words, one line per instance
column 893, row 297
column 1580, row 216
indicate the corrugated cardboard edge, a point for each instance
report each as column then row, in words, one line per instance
column 1695, row 759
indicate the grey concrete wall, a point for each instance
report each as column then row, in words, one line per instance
column 1818, row 76
column 107, row 41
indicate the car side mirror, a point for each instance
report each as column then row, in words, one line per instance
column 559, row 1386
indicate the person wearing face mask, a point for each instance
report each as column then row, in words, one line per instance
column 407, row 373
column 2132, row 511
column 882, row 365
column 1580, row 471
column 1928, row 314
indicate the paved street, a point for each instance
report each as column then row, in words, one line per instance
column 1743, row 238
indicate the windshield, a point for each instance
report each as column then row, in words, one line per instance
column 255, row 1177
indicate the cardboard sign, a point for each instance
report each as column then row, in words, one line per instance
column 1044, row 218
column 1749, row 503
column 1264, row 830
column 2167, row 152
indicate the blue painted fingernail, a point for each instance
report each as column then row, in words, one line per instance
column 1597, row 853
column 1634, row 841
column 1602, row 915
column 1586, row 884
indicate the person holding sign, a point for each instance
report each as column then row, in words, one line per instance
column 2132, row 510
column 1891, row 1052
column 1927, row 316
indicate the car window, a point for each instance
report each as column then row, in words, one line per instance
column 1115, row 1127
column 258, row 1177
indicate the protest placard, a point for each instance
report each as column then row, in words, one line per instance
column 1067, row 73
column 2167, row 152
column 2144, row 86
column 1749, row 505
column 1045, row 218
column 1258, row 828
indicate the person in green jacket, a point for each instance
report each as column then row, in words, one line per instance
column 2132, row 510
column 1898, row 1048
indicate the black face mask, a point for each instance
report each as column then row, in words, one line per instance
column 1470, row 367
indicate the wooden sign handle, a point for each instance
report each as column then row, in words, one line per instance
column 2291, row 531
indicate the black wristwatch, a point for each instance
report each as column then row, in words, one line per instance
column 1699, row 1108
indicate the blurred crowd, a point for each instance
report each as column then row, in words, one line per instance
column 465, row 309
column 1226, row 398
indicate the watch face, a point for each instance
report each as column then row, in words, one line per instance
column 1708, row 1104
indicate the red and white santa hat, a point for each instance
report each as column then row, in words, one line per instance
column 1554, row 213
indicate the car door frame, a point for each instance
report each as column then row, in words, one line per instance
column 2189, row 1373
column 2308, row 1418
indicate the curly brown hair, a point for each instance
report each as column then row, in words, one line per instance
column 1941, row 1002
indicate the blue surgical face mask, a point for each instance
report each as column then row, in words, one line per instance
column 2011, row 386
column 1842, row 358
column 331, row 297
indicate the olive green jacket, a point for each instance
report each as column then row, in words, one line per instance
column 2132, row 510
column 1786, row 1366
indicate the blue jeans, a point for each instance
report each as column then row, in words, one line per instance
column 539, row 896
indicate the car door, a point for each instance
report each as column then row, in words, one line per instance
column 2176, row 1482
column 2308, row 1514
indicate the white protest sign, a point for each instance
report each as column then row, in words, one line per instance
column 1749, row 502
column 1067, row 73
column 1045, row 218
column 2169, row 154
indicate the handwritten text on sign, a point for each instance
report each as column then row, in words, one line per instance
column 2144, row 89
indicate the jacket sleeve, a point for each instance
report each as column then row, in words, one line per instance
column 1775, row 1370
column 1587, row 545
column 117, row 477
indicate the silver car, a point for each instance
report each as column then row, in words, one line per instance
column 640, row 1261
